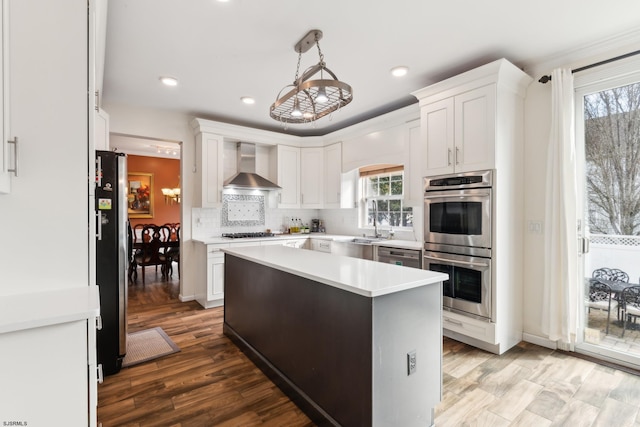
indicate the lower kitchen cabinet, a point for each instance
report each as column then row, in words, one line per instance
column 484, row 332
column 210, row 280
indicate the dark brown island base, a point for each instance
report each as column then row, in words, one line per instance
column 352, row 342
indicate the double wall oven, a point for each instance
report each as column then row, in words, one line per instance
column 458, row 239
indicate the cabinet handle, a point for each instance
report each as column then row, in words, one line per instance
column 301, row 198
column 15, row 156
column 449, row 157
column 279, row 197
column 454, row 322
column 97, row 107
column 457, row 155
column 100, row 375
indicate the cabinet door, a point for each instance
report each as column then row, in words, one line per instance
column 475, row 120
column 332, row 175
column 5, row 163
column 437, row 130
column 311, row 177
column 209, row 151
column 215, row 276
column 289, row 176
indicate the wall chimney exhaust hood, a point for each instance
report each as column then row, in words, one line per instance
column 247, row 178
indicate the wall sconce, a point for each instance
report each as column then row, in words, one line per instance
column 171, row 195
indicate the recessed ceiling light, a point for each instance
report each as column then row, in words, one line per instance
column 399, row 71
column 223, row 1
column 169, row 81
column 248, row 100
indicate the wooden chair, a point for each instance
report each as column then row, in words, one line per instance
column 599, row 297
column 152, row 249
column 172, row 254
column 630, row 305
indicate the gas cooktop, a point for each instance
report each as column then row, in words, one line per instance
column 247, row 235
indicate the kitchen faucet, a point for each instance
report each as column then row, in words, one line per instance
column 375, row 219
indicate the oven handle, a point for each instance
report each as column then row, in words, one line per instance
column 456, row 196
column 453, row 261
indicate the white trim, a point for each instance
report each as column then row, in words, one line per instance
column 541, row 341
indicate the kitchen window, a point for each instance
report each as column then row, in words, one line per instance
column 383, row 190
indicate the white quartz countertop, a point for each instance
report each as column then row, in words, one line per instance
column 38, row 309
column 405, row 244
column 363, row 277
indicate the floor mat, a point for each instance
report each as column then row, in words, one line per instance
column 146, row 345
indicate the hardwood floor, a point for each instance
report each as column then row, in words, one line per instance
column 211, row 383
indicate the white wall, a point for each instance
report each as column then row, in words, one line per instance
column 165, row 125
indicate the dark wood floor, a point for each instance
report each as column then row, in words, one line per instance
column 211, row 383
column 208, row 383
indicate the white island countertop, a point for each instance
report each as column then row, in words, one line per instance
column 359, row 276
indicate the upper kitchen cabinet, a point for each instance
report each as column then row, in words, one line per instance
column 469, row 120
column 332, row 175
column 288, row 169
column 311, row 177
column 300, row 174
column 208, row 178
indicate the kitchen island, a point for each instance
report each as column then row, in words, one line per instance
column 352, row 342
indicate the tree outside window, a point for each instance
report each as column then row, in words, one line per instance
column 612, row 149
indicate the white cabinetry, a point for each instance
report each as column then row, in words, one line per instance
column 320, row 245
column 311, row 177
column 208, row 179
column 458, row 132
column 300, row 174
column 5, row 153
column 288, row 164
column 101, row 131
column 332, row 175
column 474, row 121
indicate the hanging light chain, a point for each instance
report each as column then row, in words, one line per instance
column 295, row 80
column 320, row 54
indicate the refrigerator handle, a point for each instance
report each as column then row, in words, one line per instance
column 99, row 224
column 100, row 375
column 99, row 323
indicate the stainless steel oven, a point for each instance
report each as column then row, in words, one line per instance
column 457, row 209
column 468, row 290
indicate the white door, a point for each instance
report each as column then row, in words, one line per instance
column 608, row 147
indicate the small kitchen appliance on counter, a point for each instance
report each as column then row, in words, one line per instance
column 315, row 225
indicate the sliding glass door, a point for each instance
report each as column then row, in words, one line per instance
column 608, row 148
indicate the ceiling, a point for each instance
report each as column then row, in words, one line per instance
column 222, row 51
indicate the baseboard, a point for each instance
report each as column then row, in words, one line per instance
column 183, row 298
column 542, row 342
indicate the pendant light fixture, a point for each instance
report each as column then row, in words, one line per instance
column 307, row 100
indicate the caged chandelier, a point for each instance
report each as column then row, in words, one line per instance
column 307, row 100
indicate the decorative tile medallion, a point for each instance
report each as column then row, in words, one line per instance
column 240, row 209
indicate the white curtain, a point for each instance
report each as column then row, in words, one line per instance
column 560, row 304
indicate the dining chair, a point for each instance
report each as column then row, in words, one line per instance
column 599, row 297
column 172, row 253
column 151, row 252
column 630, row 300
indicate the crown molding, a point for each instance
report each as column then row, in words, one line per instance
column 586, row 54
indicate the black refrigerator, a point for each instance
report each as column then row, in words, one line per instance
column 112, row 258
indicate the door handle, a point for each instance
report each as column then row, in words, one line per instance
column 449, row 157
column 453, row 261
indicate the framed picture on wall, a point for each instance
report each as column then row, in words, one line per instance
column 140, row 196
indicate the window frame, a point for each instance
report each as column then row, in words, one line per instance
column 366, row 199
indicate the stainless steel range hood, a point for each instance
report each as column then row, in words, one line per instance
column 247, row 178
